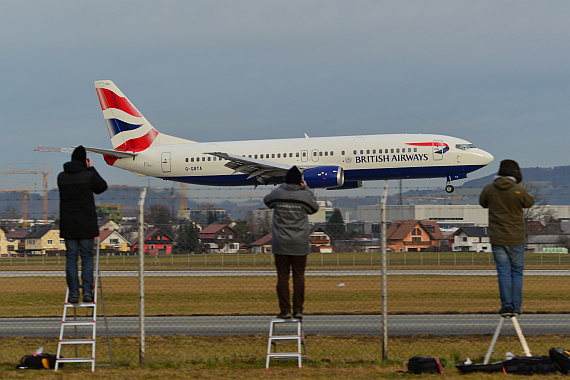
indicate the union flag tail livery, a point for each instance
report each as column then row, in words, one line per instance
column 341, row 162
column 129, row 130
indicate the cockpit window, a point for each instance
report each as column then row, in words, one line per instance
column 464, row 146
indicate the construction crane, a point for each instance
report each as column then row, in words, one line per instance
column 25, row 193
column 44, row 173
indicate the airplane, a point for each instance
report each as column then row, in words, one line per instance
column 341, row 162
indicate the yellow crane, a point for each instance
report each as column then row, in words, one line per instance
column 45, row 172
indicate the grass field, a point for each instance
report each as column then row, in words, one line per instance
column 243, row 357
column 343, row 357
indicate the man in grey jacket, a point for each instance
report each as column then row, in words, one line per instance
column 291, row 202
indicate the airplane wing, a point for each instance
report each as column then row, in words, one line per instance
column 263, row 170
column 111, row 152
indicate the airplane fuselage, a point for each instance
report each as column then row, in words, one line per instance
column 363, row 158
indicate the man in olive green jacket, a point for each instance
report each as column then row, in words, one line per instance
column 506, row 198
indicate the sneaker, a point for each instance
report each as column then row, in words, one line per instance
column 298, row 314
column 284, row 315
column 87, row 298
column 516, row 313
column 506, row 311
column 73, row 299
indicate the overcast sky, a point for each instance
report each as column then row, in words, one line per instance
column 493, row 72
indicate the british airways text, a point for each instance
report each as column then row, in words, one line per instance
column 393, row 158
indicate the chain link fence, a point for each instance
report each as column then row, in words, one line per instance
column 191, row 293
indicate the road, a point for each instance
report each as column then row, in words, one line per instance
column 444, row 325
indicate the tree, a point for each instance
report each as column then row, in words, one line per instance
column 188, row 238
column 244, row 232
column 161, row 216
column 335, row 226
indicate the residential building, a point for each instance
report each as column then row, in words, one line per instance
column 111, row 240
column 262, row 245
column 156, row 242
column 414, row 236
column 44, row 241
column 219, row 238
column 471, row 239
column 3, row 243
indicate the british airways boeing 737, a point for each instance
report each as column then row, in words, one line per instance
column 327, row 162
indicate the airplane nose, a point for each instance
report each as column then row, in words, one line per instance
column 485, row 157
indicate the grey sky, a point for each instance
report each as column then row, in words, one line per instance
column 492, row 72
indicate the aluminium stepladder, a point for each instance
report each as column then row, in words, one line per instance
column 513, row 319
column 88, row 322
column 299, row 337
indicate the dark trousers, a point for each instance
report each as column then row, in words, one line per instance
column 284, row 264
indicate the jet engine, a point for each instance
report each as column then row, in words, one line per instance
column 347, row 185
column 324, row 176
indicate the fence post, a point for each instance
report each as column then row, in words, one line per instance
column 384, row 276
column 142, row 336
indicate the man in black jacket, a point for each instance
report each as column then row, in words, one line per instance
column 78, row 220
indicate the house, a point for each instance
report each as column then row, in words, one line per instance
column 262, row 245
column 44, row 240
column 16, row 241
column 471, row 239
column 3, row 243
column 414, row 236
column 109, row 225
column 320, row 240
column 111, row 240
column 219, row 238
column 156, row 242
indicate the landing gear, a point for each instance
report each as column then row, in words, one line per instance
column 449, row 188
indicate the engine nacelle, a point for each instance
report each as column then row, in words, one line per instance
column 347, row 185
column 324, row 176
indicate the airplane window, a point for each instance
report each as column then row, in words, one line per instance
column 415, row 150
column 304, row 154
column 249, row 156
column 361, row 151
column 397, row 150
column 261, row 156
column 409, row 150
column 332, row 152
column 186, row 159
column 367, row 151
column 272, row 155
column 354, row 152
column 392, row 150
column 314, row 154
column 203, row 158
column 373, row 151
column 278, row 155
column 290, row 154
column 385, row 150
column 209, row 158
column 326, row 153
column 284, row 155
column 297, row 154
column 321, row 154
column 255, row 156
column 192, row 159
column 342, row 153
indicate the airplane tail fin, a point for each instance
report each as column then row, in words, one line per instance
column 128, row 128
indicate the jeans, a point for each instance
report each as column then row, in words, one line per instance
column 75, row 248
column 509, row 260
column 283, row 264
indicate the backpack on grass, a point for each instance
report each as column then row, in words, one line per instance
column 561, row 359
column 424, row 364
column 37, row 361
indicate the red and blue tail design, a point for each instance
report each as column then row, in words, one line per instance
column 128, row 128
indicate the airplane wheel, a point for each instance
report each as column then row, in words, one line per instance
column 449, row 188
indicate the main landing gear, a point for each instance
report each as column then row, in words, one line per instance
column 449, row 188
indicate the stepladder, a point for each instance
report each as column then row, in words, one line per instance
column 291, row 330
column 518, row 330
column 79, row 326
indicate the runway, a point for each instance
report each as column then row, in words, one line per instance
column 443, row 325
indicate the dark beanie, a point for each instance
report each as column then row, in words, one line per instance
column 510, row 168
column 293, row 176
column 79, row 154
